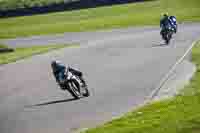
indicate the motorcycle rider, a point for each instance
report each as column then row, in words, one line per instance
column 164, row 22
column 168, row 21
column 59, row 72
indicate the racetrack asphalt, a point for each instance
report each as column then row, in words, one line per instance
column 122, row 67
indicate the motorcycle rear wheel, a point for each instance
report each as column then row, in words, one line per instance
column 86, row 91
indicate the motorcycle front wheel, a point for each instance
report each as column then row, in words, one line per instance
column 74, row 89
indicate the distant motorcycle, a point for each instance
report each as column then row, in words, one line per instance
column 74, row 85
column 174, row 23
column 167, row 34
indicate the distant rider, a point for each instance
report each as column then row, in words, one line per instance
column 168, row 21
column 59, row 72
column 164, row 22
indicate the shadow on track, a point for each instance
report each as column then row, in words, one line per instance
column 52, row 102
column 159, row 45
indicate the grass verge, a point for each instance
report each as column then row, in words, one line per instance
column 180, row 114
column 3, row 46
column 18, row 4
column 142, row 13
column 21, row 53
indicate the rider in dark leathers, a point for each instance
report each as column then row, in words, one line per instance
column 59, row 72
column 164, row 22
column 168, row 21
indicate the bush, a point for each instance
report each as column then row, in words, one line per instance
column 17, row 4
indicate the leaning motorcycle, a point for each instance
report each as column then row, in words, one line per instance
column 167, row 34
column 74, row 85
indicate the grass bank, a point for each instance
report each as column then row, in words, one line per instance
column 143, row 13
column 3, row 46
column 18, row 4
column 21, row 53
column 180, row 114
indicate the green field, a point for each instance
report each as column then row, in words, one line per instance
column 3, row 46
column 21, row 53
column 180, row 114
column 143, row 13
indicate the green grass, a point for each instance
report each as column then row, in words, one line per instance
column 16, row 4
column 180, row 114
column 21, row 53
column 3, row 46
column 144, row 13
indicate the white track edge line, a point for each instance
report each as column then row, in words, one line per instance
column 166, row 77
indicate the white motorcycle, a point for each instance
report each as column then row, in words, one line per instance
column 75, row 86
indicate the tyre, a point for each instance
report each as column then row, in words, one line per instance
column 74, row 89
column 167, row 40
column 86, row 92
column 168, row 36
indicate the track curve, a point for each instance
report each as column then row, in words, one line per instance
column 122, row 67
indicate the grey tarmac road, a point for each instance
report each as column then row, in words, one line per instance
column 122, row 68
